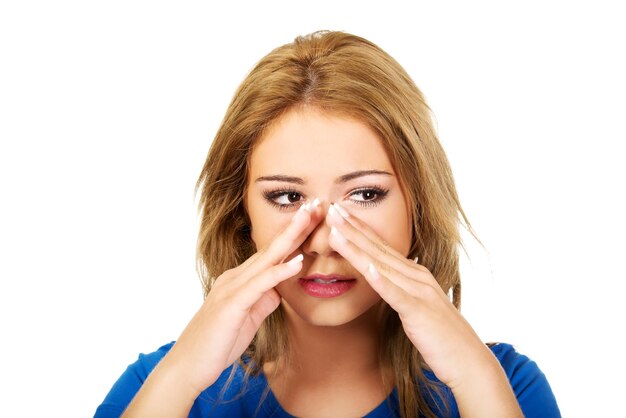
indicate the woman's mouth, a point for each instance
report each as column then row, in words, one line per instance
column 326, row 286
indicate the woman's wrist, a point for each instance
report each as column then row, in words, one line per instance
column 182, row 369
column 485, row 391
column 167, row 392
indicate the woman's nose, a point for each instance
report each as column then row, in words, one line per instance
column 317, row 241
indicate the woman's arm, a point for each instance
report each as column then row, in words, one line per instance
column 239, row 301
column 486, row 391
column 447, row 342
column 165, row 393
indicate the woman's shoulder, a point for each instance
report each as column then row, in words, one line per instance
column 529, row 383
column 518, row 366
column 231, row 402
column 128, row 384
column 148, row 361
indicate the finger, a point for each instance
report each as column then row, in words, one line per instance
column 253, row 290
column 412, row 285
column 267, row 304
column 249, row 261
column 296, row 219
column 287, row 241
column 301, row 225
column 338, row 216
column 257, row 314
column 234, row 272
column 397, row 297
column 367, row 239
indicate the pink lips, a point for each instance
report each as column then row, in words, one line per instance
column 326, row 286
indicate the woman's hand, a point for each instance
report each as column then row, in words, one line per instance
column 447, row 342
column 239, row 300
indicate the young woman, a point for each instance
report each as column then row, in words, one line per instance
column 329, row 251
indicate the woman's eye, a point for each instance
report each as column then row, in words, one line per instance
column 287, row 198
column 368, row 197
column 283, row 199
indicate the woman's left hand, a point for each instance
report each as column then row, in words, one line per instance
column 447, row 342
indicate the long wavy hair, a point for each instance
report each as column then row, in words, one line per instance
column 347, row 75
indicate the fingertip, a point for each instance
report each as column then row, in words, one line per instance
column 296, row 260
column 344, row 213
column 310, row 206
column 333, row 216
column 303, row 214
column 373, row 273
column 316, row 214
column 338, row 235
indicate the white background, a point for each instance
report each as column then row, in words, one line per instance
column 107, row 111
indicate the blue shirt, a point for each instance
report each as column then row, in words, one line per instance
column 255, row 399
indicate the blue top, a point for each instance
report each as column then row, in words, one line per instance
column 528, row 382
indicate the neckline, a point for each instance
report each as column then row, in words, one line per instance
column 274, row 409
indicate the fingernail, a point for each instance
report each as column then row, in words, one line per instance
column 334, row 231
column 306, row 206
column 416, row 259
column 374, row 274
column 334, row 213
column 341, row 210
column 315, row 203
column 296, row 260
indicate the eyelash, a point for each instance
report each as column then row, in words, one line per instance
column 272, row 195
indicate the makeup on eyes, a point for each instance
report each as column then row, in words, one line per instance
column 285, row 198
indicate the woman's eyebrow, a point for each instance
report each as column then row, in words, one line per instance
column 360, row 173
column 343, row 179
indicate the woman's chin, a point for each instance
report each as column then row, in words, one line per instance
column 326, row 313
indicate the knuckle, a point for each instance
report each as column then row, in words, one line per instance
column 276, row 246
column 382, row 247
column 384, row 268
column 276, row 273
column 219, row 281
column 428, row 292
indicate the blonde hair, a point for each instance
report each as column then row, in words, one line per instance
column 342, row 74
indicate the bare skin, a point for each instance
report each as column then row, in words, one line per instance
column 223, row 326
column 334, row 342
column 365, row 235
column 334, row 363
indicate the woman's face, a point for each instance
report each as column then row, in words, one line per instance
column 307, row 154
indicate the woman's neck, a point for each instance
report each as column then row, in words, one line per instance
column 333, row 351
column 332, row 370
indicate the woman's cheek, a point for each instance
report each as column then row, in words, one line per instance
column 392, row 226
column 266, row 225
column 377, row 222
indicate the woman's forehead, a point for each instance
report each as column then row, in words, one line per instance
column 308, row 139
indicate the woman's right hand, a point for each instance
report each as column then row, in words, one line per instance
column 239, row 300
